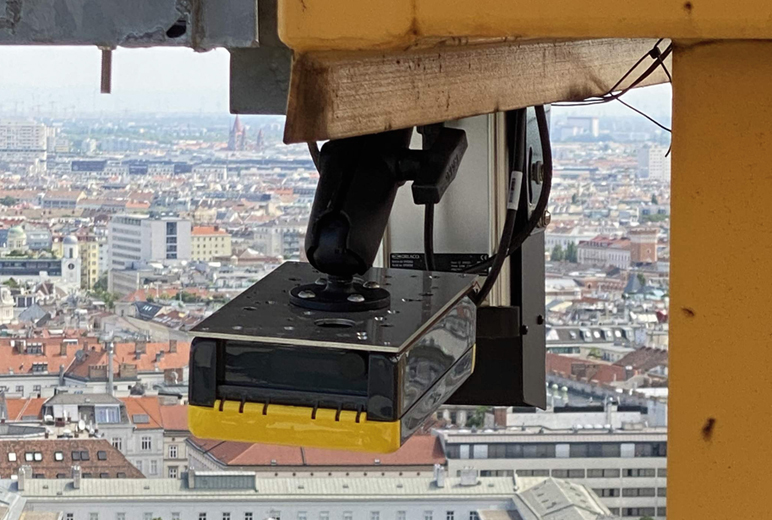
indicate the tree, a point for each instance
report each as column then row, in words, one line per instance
column 654, row 199
column 477, row 419
column 654, row 218
column 7, row 201
column 13, row 284
column 572, row 253
column 557, row 254
column 641, row 279
column 101, row 284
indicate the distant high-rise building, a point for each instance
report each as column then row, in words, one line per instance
column 583, row 125
column 653, row 163
column 23, row 142
column 643, row 245
column 238, row 136
column 260, row 141
column 137, row 239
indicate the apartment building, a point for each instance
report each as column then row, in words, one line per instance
column 209, row 242
column 245, row 496
column 23, row 142
column 138, row 239
column 626, row 467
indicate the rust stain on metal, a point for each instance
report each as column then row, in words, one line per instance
column 707, row 430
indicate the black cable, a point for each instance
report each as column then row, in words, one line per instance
column 500, row 256
column 647, row 116
column 313, row 149
column 429, row 236
column 517, row 240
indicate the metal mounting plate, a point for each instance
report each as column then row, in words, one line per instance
column 264, row 314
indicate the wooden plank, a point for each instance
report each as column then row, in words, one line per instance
column 342, row 94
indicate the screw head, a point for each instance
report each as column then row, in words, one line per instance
column 321, row 281
column 306, row 294
column 356, row 298
column 371, row 285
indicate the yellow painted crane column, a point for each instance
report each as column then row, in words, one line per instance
column 719, row 445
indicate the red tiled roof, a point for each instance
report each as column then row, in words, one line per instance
column 175, row 417
column 24, row 407
column 21, row 363
column 599, row 371
column 125, row 353
column 144, row 406
column 49, row 467
column 207, row 230
column 419, row 450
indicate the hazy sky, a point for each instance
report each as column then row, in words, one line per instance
column 164, row 80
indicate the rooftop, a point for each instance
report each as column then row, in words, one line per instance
column 553, row 499
column 50, row 458
column 272, row 488
column 419, row 450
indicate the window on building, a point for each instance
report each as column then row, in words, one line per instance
column 374, row 515
column 104, row 475
column 138, row 464
column 450, row 515
column 639, row 472
column 146, row 443
column 638, row 492
column 173, row 451
column 147, row 516
column 171, row 228
column 638, row 511
column 606, row 492
column 401, row 515
column 474, row 515
column 11, row 457
column 533, row 473
column 173, row 471
column 58, row 456
column 428, row 515
column 276, row 515
column 661, row 492
column 453, row 451
column 84, row 455
column 302, row 515
column 102, row 455
column 248, row 515
column 348, row 515
column 662, row 472
column 154, row 467
column 538, row 451
column 93, row 516
column 560, row 473
column 661, row 511
column 120, row 516
column 117, row 443
column 651, row 449
column 69, row 516
column 497, row 451
column 614, row 511
column 29, row 456
column 20, row 389
column 226, row 516
column 175, row 516
column 575, row 473
column 202, row 516
column 36, row 388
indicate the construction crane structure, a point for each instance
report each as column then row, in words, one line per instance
column 347, row 68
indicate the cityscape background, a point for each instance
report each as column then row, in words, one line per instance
column 126, row 219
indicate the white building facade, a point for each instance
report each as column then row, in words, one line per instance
column 138, row 239
column 627, row 469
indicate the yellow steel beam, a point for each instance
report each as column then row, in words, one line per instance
column 359, row 24
column 721, row 274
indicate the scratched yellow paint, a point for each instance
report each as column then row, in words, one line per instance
column 362, row 24
column 721, row 283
